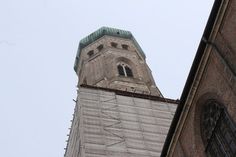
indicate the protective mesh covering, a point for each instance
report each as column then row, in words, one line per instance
column 107, row 124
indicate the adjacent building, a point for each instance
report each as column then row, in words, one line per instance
column 205, row 120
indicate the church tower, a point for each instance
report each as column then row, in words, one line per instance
column 119, row 110
column 111, row 58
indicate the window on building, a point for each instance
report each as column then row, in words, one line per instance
column 128, row 71
column 125, row 47
column 113, row 44
column 124, row 70
column 100, row 47
column 121, row 70
column 90, row 53
column 218, row 131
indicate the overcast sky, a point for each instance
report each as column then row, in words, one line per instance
column 38, row 44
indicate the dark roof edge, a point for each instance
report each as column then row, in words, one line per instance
column 191, row 76
column 137, row 95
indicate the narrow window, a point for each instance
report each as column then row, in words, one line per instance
column 124, row 46
column 218, row 131
column 128, row 71
column 100, row 47
column 114, row 44
column 121, row 70
column 90, row 53
column 124, row 70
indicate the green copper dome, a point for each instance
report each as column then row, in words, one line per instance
column 100, row 33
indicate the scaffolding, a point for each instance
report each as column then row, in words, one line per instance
column 119, row 126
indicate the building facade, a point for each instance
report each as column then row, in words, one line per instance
column 205, row 121
column 119, row 110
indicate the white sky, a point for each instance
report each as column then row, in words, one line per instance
column 38, row 44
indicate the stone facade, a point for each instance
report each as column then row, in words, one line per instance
column 215, row 79
column 102, row 66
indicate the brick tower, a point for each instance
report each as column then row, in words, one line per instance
column 119, row 110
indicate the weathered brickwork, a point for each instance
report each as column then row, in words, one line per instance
column 102, row 66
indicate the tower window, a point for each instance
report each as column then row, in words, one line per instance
column 128, row 71
column 218, row 131
column 114, row 44
column 121, row 70
column 100, row 47
column 124, row 70
column 125, row 47
column 90, row 53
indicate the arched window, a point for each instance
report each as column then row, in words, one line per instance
column 121, row 70
column 128, row 71
column 124, row 70
column 218, row 131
